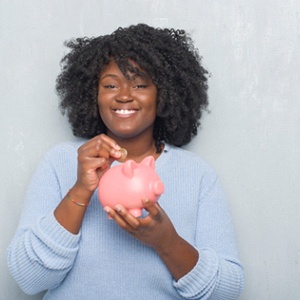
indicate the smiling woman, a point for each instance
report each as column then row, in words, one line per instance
column 141, row 89
column 166, row 56
column 127, row 105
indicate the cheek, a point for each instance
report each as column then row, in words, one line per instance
column 99, row 99
column 102, row 101
column 152, row 100
column 101, row 107
column 103, row 112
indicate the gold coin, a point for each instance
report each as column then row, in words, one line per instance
column 123, row 154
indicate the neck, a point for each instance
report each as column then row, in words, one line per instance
column 138, row 148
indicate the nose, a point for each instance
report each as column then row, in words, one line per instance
column 124, row 94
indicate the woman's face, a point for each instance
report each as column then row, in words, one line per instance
column 127, row 106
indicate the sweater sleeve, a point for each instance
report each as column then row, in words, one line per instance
column 218, row 274
column 42, row 252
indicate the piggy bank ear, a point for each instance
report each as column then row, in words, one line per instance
column 128, row 168
column 148, row 161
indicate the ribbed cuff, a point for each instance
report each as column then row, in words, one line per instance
column 200, row 277
column 56, row 234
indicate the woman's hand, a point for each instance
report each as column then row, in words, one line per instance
column 155, row 230
column 94, row 158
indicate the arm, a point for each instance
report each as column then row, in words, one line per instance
column 218, row 273
column 208, row 269
column 47, row 240
column 94, row 158
column 41, row 248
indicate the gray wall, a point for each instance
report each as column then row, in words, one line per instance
column 251, row 136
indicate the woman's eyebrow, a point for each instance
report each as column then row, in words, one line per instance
column 142, row 76
column 108, row 75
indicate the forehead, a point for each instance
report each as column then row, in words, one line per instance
column 129, row 69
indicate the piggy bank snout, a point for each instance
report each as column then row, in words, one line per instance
column 157, row 187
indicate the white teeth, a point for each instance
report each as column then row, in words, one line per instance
column 124, row 111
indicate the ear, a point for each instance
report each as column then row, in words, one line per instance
column 148, row 161
column 128, row 168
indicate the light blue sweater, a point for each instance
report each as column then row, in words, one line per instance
column 104, row 262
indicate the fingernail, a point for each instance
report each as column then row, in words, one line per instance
column 146, row 200
column 118, row 208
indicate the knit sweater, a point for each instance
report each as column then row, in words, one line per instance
column 105, row 262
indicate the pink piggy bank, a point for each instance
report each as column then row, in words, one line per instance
column 128, row 183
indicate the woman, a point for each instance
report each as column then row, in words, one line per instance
column 144, row 90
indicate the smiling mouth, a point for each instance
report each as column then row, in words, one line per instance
column 125, row 111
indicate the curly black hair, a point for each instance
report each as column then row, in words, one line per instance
column 169, row 58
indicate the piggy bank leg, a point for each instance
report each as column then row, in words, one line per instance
column 137, row 212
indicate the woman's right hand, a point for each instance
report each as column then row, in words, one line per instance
column 94, row 158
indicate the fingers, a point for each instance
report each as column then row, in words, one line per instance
column 123, row 218
column 127, row 221
column 100, row 146
column 94, row 158
column 153, row 208
column 151, row 230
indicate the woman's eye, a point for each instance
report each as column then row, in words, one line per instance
column 110, row 86
column 140, row 86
